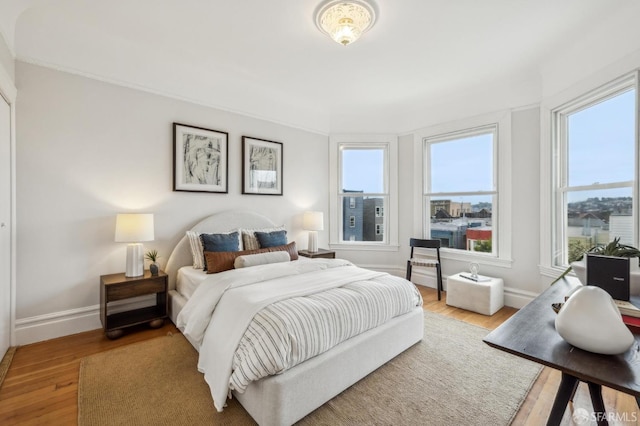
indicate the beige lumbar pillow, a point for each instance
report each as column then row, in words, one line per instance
column 261, row 259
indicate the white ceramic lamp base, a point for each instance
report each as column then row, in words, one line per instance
column 135, row 260
column 313, row 241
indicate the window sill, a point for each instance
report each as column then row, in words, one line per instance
column 466, row 256
column 364, row 247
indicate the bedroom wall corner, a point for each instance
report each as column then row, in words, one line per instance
column 7, row 63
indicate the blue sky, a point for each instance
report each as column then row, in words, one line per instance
column 362, row 170
column 601, row 146
column 473, row 165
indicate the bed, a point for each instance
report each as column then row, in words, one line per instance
column 284, row 398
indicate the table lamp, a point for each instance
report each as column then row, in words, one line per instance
column 134, row 228
column 313, row 222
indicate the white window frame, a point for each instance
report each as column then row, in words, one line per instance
column 502, row 213
column 601, row 80
column 390, row 144
column 491, row 129
column 559, row 187
column 352, row 221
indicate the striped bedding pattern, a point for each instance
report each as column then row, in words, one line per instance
column 291, row 331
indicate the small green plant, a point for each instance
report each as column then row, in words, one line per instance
column 152, row 255
column 483, row 246
column 613, row 248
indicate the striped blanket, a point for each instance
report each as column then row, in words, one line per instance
column 270, row 318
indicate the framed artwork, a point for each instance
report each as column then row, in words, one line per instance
column 261, row 166
column 200, row 159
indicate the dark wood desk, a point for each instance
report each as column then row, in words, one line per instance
column 531, row 334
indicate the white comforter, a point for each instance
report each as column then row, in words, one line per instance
column 222, row 308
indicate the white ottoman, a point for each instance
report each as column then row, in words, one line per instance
column 485, row 297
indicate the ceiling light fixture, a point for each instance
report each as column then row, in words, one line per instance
column 345, row 20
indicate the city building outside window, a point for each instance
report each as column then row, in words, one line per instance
column 461, row 189
column 363, row 172
column 595, row 148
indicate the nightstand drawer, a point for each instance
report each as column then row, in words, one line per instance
column 133, row 289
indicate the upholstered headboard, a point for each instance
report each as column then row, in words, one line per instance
column 216, row 223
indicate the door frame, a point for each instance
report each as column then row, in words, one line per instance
column 9, row 92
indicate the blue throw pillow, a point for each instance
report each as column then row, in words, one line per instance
column 271, row 239
column 219, row 242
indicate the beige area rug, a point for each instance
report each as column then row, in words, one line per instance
column 6, row 362
column 450, row 378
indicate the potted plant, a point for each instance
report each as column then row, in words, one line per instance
column 613, row 248
column 153, row 256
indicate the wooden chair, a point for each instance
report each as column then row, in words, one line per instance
column 432, row 262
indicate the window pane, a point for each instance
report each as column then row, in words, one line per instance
column 464, row 223
column 360, row 221
column 363, row 170
column 601, row 142
column 462, row 165
column 597, row 217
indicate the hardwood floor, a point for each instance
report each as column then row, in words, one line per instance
column 42, row 382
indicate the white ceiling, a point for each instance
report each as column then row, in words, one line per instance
column 267, row 59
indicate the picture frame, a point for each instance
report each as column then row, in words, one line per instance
column 262, row 166
column 200, row 159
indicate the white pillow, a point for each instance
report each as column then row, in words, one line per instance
column 249, row 240
column 261, row 259
column 197, row 251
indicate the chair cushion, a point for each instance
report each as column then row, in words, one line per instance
column 424, row 262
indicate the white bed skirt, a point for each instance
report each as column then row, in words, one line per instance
column 286, row 398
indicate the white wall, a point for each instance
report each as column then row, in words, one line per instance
column 6, row 59
column 87, row 150
column 615, row 40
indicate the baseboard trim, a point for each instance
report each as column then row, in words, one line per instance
column 57, row 324
column 513, row 297
column 390, row 269
column 517, row 298
column 64, row 323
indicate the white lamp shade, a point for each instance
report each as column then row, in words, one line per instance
column 134, row 227
column 313, row 221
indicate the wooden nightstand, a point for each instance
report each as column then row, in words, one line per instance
column 115, row 287
column 327, row 254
